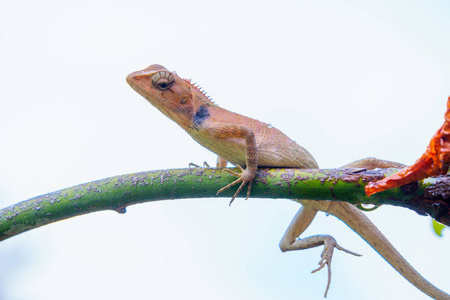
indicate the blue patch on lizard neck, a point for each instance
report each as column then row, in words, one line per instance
column 201, row 116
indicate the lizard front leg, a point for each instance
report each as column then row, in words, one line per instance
column 233, row 131
column 292, row 241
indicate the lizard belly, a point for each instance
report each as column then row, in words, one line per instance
column 290, row 156
column 231, row 149
column 270, row 153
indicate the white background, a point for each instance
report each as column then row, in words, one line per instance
column 345, row 79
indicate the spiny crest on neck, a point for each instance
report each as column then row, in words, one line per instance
column 208, row 100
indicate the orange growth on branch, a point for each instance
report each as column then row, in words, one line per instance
column 435, row 161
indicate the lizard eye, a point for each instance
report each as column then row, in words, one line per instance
column 162, row 80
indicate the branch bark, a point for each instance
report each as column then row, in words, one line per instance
column 427, row 197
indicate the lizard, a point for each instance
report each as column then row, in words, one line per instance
column 249, row 144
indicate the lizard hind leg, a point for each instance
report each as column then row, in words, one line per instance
column 292, row 241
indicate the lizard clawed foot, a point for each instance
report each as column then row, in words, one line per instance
column 193, row 165
column 326, row 256
column 245, row 176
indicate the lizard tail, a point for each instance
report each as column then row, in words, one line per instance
column 362, row 225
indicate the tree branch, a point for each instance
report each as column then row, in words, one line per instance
column 428, row 197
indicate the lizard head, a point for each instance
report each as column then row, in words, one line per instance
column 175, row 97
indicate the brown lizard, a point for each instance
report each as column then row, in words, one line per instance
column 247, row 142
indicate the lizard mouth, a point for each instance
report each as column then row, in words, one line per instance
column 136, row 80
column 154, row 100
column 133, row 80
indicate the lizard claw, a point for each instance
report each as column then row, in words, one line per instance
column 234, row 173
column 245, row 177
column 326, row 256
column 193, row 165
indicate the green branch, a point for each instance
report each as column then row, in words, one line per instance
column 116, row 193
